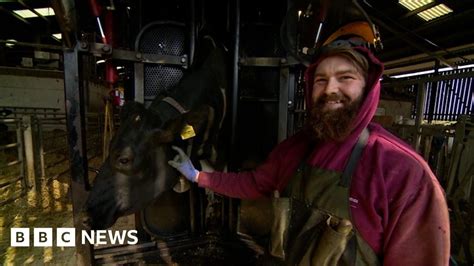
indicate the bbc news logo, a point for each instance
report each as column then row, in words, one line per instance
column 66, row 237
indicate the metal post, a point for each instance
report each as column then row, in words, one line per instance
column 139, row 86
column 75, row 121
column 291, row 104
column 434, row 94
column 419, row 113
column 235, row 85
column 19, row 140
column 29, row 152
column 283, row 102
column 235, row 101
column 39, row 142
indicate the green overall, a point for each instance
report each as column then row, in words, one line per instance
column 312, row 223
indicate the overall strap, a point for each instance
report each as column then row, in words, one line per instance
column 354, row 158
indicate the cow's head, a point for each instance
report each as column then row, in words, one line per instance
column 136, row 171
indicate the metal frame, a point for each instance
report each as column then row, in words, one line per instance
column 75, row 122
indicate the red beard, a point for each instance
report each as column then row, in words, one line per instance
column 333, row 124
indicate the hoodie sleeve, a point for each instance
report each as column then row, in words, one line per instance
column 418, row 229
column 246, row 185
column 402, row 211
column 272, row 175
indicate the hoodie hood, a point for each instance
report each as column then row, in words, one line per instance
column 331, row 154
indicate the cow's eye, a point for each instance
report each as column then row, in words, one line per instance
column 124, row 160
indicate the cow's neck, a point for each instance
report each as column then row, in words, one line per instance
column 190, row 93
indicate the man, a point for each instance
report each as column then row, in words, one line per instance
column 362, row 197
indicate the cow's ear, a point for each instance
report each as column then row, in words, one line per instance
column 129, row 109
column 170, row 131
column 163, row 136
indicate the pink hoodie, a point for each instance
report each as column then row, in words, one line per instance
column 397, row 204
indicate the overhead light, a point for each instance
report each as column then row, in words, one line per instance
column 26, row 13
column 10, row 43
column 412, row 5
column 435, row 12
column 100, row 62
column 45, row 11
column 57, row 36
column 430, row 71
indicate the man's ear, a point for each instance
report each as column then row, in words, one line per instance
column 131, row 108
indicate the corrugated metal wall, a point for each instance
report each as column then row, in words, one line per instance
column 453, row 98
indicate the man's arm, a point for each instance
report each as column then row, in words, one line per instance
column 418, row 230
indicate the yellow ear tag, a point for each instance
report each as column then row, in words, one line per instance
column 187, row 132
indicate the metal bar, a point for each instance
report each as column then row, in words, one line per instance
column 56, row 163
column 14, row 15
column 420, row 9
column 53, row 118
column 11, row 145
column 406, row 82
column 4, row 184
column 40, row 142
column 55, row 150
column 235, row 85
column 464, row 91
column 235, row 101
column 456, row 99
column 257, row 99
column 469, row 101
column 29, row 152
column 466, row 97
column 139, row 82
column 261, row 61
column 10, row 164
column 419, row 114
column 411, row 42
column 150, row 58
column 9, row 120
column 442, row 102
column 192, row 32
column 453, row 102
column 283, row 104
column 31, row 107
column 448, row 101
column 291, row 104
column 20, row 155
column 34, row 11
column 434, row 94
column 77, row 146
column 55, row 136
column 34, row 45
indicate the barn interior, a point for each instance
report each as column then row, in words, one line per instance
column 67, row 68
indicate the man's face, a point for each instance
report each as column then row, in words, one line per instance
column 338, row 89
column 337, row 83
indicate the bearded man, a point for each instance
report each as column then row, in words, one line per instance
column 349, row 192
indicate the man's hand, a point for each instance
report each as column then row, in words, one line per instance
column 183, row 164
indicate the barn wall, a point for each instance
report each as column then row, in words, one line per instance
column 42, row 88
column 390, row 111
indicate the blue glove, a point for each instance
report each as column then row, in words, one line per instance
column 183, row 164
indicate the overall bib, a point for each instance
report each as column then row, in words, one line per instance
column 312, row 223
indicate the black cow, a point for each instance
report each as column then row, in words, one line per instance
column 136, row 171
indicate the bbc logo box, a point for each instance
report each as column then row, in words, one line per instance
column 42, row 237
column 66, row 237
